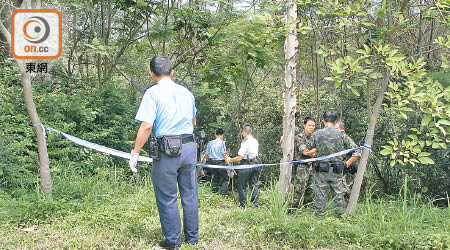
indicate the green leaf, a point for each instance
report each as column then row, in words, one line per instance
column 435, row 145
column 252, row 53
column 375, row 75
column 445, row 63
column 423, row 154
column 397, row 58
column 385, row 152
column 417, row 149
column 354, row 91
column 443, row 121
column 361, row 51
column 426, row 160
column 367, row 49
column 425, row 121
column 414, row 137
column 404, row 115
column 319, row 51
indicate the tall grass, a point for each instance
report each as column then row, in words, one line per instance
column 114, row 210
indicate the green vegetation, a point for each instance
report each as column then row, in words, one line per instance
column 118, row 212
column 230, row 55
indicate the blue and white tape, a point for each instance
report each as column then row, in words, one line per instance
column 99, row 148
column 121, row 154
column 344, row 152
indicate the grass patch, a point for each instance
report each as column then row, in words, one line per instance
column 121, row 213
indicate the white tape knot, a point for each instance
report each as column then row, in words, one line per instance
column 43, row 128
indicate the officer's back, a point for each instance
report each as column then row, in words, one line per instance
column 173, row 116
column 169, row 110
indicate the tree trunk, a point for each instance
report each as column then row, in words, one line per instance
column 369, row 140
column 44, row 170
column 291, row 45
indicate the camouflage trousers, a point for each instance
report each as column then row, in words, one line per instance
column 322, row 183
column 349, row 179
column 302, row 180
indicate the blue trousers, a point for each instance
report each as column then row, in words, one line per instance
column 248, row 177
column 219, row 176
column 167, row 172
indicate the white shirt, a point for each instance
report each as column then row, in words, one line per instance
column 249, row 148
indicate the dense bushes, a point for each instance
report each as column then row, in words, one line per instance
column 102, row 115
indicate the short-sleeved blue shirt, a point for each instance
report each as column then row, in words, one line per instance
column 170, row 107
column 216, row 149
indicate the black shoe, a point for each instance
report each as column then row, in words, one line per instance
column 166, row 245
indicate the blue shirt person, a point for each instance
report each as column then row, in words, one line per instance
column 215, row 149
column 215, row 153
column 168, row 108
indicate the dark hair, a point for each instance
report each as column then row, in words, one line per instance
column 330, row 116
column 247, row 128
column 219, row 131
column 309, row 118
column 161, row 66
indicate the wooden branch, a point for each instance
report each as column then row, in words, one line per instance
column 7, row 35
column 442, row 15
column 133, row 82
column 202, row 48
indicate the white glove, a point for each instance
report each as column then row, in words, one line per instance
column 133, row 161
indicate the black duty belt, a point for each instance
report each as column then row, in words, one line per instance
column 249, row 161
column 187, row 138
column 215, row 162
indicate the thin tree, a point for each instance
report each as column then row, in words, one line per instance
column 290, row 99
column 44, row 170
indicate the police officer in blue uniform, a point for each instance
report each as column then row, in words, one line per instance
column 215, row 153
column 169, row 110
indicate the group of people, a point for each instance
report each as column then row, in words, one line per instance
column 335, row 173
column 247, row 154
column 168, row 110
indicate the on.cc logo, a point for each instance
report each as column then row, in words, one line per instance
column 37, row 25
column 36, row 34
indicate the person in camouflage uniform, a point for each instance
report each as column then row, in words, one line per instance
column 329, row 172
column 302, row 172
column 349, row 173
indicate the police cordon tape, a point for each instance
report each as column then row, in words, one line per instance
column 344, row 152
column 121, row 154
column 100, row 148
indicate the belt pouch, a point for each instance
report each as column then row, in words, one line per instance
column 338, row 168
column 172, row 145
column 324, row 166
